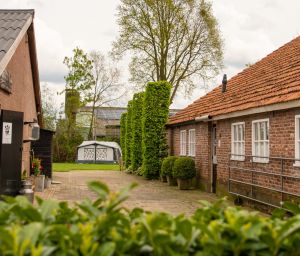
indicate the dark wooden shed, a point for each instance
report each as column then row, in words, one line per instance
column 42, row 149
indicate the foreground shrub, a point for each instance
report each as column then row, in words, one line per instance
column 184, row 168
column 167, row 166
column 105, row 227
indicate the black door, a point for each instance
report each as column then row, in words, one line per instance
column 11, row 138
column 214, row 143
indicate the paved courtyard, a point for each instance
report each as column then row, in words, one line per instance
column 150, row 195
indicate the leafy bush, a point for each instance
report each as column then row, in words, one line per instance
column 184, row 168
column 128, row 137
column 136, row 143
column 155, row 115
column 123, row 134
column 167, row 166
column 105, row 227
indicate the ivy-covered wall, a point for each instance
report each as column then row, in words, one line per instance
column 128, row 137
column 123, row 134
column 136, row 143
column 155, row 115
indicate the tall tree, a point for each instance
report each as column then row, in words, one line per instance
column 174, row 40
column 80, row 77
column 49, row 107
column 105, row 87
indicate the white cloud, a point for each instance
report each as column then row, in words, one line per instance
column 251, row 29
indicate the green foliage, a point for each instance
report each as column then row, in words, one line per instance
column 65, row 141
column 80, row 77
column 136, row 143
column 49, row 108
column 178, row 41
column 123, row 134
column 168, row 165
column 104, row 227
column 184, row 168
column 155, row 115
column 128, row 138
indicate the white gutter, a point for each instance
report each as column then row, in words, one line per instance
column 252, row 111
column 7, row 57
column 203, row 118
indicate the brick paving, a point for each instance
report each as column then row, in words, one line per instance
column 150, row 195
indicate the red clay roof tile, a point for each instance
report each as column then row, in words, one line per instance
column 274, row 79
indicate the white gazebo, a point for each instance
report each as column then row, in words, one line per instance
column 98, row 152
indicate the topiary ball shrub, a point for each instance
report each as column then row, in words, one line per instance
column 184, row 168
column 167, row 166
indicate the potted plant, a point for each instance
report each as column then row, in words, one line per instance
column 167, row 170
column 39, row 180
column 184, row 171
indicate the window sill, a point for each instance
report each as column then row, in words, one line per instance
column 237, row 159
column 296, row 164
column 261, row 161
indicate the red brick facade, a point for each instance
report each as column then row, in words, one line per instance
column 22, row 98
column 281, row 144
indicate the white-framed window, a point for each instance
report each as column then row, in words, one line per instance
column 297, row 140
column 192, row 142
column 183, row 142
column 260, row 140
column 238, row 141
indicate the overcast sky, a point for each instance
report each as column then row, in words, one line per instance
column 251, row 29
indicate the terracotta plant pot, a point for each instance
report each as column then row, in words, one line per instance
column 163, row 178
column 171, row 181
column 184, row 184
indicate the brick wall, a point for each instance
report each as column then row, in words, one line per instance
column 22, row 97
column 281, row 144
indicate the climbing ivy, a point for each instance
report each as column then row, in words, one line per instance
column 128, row 137
column 155, row 115
column 123, row 134
column 136, row 143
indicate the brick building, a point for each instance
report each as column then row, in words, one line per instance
column 19, row 81
column 245, row 134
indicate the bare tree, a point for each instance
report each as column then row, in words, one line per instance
column 174, row 40
column 106, row 87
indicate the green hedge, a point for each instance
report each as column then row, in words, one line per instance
column 136, row 143
column 155, row 115
column 103, row 227
column 128, row 135
column 167, row 166
column 184, row 168
column 123, row 134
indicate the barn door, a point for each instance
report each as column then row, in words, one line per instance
column 11, row 138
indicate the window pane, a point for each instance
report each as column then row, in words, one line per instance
column 256, row 131
column 243, row 148
column 267, row 148
column 261, row 130
column 298, row 128
column 234, row 133
column 242, row 132
column 239, row 133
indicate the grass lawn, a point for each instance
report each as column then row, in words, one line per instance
column 65, row 167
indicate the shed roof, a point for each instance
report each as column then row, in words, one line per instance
column 11, row 24
column 110, row 144
column 274, row 79
column 14, row 25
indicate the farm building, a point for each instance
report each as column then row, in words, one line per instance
column 20, row 100
column 245, row 134
column 98, row 152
